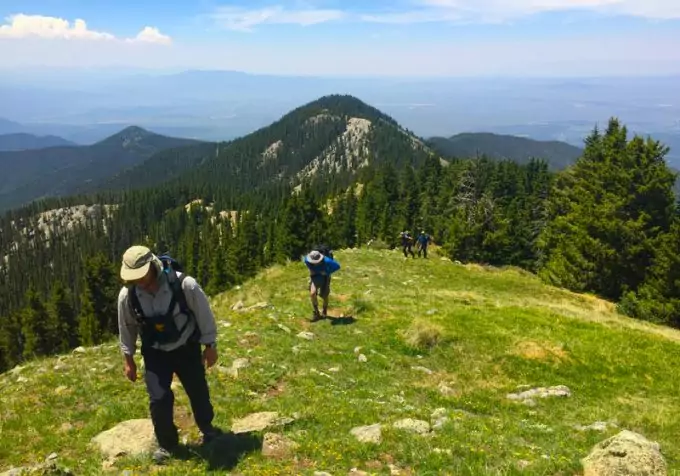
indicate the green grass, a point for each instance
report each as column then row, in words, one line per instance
column 496, row 329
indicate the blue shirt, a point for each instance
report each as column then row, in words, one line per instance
column 325, row 268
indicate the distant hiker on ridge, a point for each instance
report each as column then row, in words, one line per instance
column 407, row 243
column 171, row 313
column 321, row 265
column 423, row 240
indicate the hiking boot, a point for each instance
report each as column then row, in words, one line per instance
column 211, row 435
column 161, row 456
column 316, row 317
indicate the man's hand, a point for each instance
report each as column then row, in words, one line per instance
column 209, row 356
column 131, row 370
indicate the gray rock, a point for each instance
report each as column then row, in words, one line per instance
column 420, row 368
column 414, row 426
column 48, row 468
column 597, row 426
column 541, row 392
column 625, row 454
column 446, row 390
column 79, row 350
column 306, row 335
column 285, row 329
column 368, row 434
column 277, row 446
column 259, row 305
column 128, row 438
column 238, row 306
column 258, row 422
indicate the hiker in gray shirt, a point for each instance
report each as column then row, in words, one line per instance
column 172, row 315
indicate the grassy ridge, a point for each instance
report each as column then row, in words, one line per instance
column 500, row 329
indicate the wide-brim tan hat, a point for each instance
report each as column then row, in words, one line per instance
column 136, row 263
column 314, row 257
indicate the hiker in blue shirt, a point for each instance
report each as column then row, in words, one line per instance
column 423, row 241
column 320, row 267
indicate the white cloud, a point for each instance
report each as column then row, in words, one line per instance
column 503, row 10
column 151, row 35
column 22, row 26
column 242, row 19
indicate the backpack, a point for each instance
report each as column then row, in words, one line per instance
column 162, row 329
column 324, row 250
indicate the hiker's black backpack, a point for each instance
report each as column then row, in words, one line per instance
column 163, row 329
column 324, row 250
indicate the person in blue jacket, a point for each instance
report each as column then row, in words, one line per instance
column 320, row 268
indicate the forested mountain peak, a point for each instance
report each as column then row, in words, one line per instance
column 60, row 171
column 329, row 139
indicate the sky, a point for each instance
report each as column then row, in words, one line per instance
column 425, row 38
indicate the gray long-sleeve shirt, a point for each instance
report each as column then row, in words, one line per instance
column 155, row 304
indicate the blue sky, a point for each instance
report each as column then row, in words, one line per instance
column 331, row 37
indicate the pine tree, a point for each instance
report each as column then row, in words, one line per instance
column 62, row 321
column 658, row 299
column 608, row 211
column 34, row 325
column 89, row 328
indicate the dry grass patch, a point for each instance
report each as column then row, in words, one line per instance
column 533, row 350
column 423, row 335
column 465, row 297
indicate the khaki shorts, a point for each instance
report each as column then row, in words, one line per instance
column 320, row 285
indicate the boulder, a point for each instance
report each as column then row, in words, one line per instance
column 625, row 454
column 128, row 438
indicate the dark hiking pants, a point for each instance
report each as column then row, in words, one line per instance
column 159, row 369
column 408, row 249
column 422, row 249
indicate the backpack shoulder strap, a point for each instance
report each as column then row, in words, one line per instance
column 135, row 305
column 180, row 297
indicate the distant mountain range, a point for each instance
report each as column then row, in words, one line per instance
column 496, row 146
column 24, row 141
column 66, row 170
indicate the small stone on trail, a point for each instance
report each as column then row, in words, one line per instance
column 306, row 335
column 541, row 392
column 362, row 358
column 415, row 426
column 368, row 434
column 277, row 446
column 597, row 426
column 79, row 350
column 284, row 328
column 258, row 422
column 420, row 368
